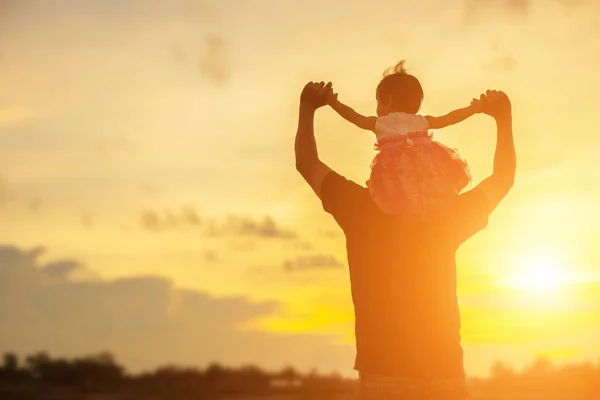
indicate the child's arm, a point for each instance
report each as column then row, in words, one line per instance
column 367, row 123
column 451, row 118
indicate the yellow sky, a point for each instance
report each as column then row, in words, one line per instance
column 155, row 138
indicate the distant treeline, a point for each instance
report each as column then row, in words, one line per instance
column 40, row 376
column 100, row 374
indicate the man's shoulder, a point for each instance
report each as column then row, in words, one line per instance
column 346, row 200
column 337, row 186
column 471, row 214
column 472, row 197
column 338, row 181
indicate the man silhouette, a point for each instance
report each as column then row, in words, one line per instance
column 403, row 274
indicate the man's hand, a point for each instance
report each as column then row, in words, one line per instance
column 315, row 95
column 493, row 103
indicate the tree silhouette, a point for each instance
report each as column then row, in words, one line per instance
column 11, row 362
column 42, row 377
column 289, row 375
column 10, row 372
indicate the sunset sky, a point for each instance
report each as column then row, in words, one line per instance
column 149, row 204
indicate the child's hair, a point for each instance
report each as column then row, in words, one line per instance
column 404, row 90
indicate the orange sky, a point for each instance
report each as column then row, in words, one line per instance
column 154, row 139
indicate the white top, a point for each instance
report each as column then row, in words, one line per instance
column 400, row 123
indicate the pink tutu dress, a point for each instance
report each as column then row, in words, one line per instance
column 412, row 174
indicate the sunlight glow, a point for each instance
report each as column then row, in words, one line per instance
column 539, row 272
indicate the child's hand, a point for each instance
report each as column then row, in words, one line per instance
column 331, row 98
column 477, row 106
column 495, row 104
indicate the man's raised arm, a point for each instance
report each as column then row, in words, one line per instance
column 308, row 163
column 497, row 185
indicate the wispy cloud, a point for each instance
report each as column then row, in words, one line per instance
column 211, row 58
column 330, row 233
column 506, row 62
column 242, row 245
column 314, row 262
column 156, row 221
column 211, row 257
column 87, row 220
column 234, row 226
column 213, row 63
column 576, row 3
column 245, row 226
column 15, row 114
column 474, row 9
column 4, row 191
column 61, row 269
column 35, row 204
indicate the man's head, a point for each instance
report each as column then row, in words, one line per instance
column 398, row 92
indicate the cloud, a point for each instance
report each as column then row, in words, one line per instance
column 151, row 220
column 155, row 221
column 506, row 62
column 244, row 226
column 331, row 233
column 475, row 8
column 242, row 245
column 518, row 6
column 4, row 191
column 144, row 321
column 572, row 4
column 115, row 144
column 213, row 54
column 303, row 245
column 35, row 204
column 15, row 115
column 213, row 63
column 319, row 261
column 178, row 54
column 199, row 8
column 211, row 257
column 87, row 220
column 7, row 195
column 61, row 269
column 236, row 226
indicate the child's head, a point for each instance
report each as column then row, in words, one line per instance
column 398, row 92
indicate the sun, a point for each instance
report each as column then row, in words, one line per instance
column 538, row 272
